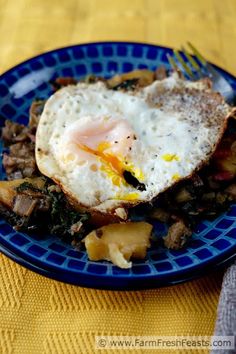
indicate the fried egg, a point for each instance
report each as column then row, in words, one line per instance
column 110, row 150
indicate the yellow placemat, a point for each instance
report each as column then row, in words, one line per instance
column 38, row 315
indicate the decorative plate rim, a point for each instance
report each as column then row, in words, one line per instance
column 131, row 284
column 127, row 281
column 51, row 51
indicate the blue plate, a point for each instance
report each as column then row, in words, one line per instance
column 213, row 242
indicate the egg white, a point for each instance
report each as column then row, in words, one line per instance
column 176, row 126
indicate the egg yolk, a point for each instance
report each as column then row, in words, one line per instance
column 103, row 133
column 175, row 177
column 110, row 159
column 128, row 196
column 110, row 141
column 170, row 157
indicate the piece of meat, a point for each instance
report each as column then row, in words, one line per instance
column 160, row 73
column 29, row 201
column 60, row 82
column 17, row 221
column 13, row 132
column 20, row 161
column 24, row 205
column 223, row 176
column 177, row 235
column 36, row 110
column 224, row 159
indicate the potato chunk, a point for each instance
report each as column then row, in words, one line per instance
column 145, row 77
column 8, row 189
column 119, row 242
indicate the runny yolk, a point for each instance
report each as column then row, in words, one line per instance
column 109, row 159
column 112, row 165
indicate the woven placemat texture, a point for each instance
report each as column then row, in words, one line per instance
column 39, row 315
